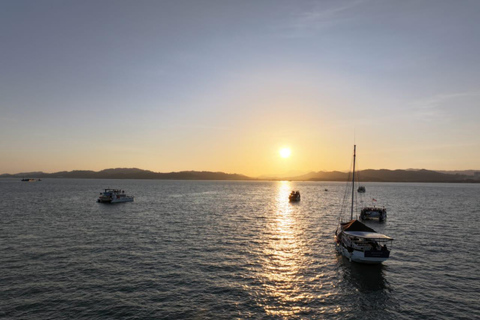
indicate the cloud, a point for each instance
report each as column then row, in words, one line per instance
column 200, row 127
column 440, row 107
column 323, row 15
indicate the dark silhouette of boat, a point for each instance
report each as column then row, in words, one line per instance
column 294, row 196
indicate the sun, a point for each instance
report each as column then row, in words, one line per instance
column 285, row 152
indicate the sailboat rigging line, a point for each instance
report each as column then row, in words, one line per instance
column 345, row 200
column 357, row 173
column 353, row 181
column 359, row 197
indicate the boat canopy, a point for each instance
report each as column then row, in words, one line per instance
column 355, row 225
column 373, row 209
column 368, row 235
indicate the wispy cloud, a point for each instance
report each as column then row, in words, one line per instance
column 321, row 16
column 438, row 107
column 200, row 127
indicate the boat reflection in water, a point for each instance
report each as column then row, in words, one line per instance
column 365, row 278
column 372, row 291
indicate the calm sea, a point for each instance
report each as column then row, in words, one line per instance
column 232, row 250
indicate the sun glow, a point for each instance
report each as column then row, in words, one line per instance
column 285, row 152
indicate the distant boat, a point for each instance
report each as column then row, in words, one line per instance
column 369, row 213
column 358, row 242
column 294, row 196
column 361, row 189
column 28, row 180
column 114, row 196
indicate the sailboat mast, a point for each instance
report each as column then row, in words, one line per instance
column 353, row 181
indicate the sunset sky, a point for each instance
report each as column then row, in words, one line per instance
column 224, row 85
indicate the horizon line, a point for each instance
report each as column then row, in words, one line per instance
column 235, row 173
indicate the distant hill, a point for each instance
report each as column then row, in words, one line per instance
column 384, row 175
column 409, row 176
column 130, row 173
column 370, row 175
column 462, row 172
column 281, row 176
column 322, row 176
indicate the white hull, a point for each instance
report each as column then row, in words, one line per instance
column 122, row 200
column 374, row 213
column 114, row 196
column 374, row 216
column 125, row 199
column 358, row 256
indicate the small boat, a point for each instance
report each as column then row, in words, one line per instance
column 358, row 242
column 361, row 189
column 294, row 196
column 369, row 213
column 114, row 196
column 28, row 180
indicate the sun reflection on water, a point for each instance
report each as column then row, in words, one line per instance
column 282, row 256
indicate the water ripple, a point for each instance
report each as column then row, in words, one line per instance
column 223, row 250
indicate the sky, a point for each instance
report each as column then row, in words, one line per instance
column 224, row 85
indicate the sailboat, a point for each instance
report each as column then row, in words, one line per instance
column 358, row 242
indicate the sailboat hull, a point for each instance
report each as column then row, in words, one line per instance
column 360, row 256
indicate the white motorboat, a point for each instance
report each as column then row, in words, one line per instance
column 114, row 196
column 358, row 242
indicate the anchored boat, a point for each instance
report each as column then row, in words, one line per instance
column 294, row 196
column 114, row 196
column 358, row 242
column 369, row 213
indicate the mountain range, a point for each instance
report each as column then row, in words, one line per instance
column 384, row 175
column 130, row 173
column 370, row 175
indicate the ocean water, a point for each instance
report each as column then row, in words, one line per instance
column 232, row 250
